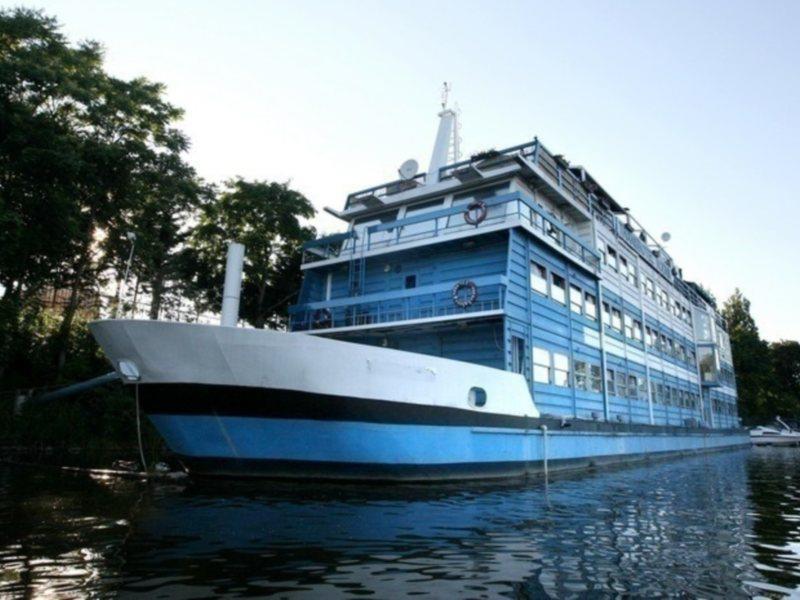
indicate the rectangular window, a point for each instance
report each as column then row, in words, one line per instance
column 612, row 258
column 637, row 330
column 622, row 387
column 610, row 382
column 606, row 314
column 596, row 379
column 411, row 281
column 623, row 266
column 616, row 319
column 590, row 305
column 628, row 326
column 632, row 277
column 650, row 289
column 560, row 369
column 517, row 354
column 581, row 375
column 558, row 290
column 575, row 299
column 538, row 278
column 650, row 339
column 541, row 365
column 642, row 388
column 633, row 386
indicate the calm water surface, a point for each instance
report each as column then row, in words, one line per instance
column 721, row 525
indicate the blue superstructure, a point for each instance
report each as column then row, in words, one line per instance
column 571, row 291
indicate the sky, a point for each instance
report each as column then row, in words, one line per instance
column 687, row 112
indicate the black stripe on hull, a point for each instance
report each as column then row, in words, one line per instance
column 355, row 472
column 268, row 403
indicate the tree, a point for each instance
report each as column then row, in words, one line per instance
column 265, row 217
column 751, row 361
column 786, row 366
column 78, row 149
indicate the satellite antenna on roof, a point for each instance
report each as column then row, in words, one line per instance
column 666, row 236
column 408, row 169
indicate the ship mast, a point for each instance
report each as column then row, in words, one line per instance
column 446, row 148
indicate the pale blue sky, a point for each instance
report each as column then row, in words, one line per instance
column 687, row 112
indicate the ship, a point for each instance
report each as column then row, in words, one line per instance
column 496, row 316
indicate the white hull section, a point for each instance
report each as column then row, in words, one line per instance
column 165, row 352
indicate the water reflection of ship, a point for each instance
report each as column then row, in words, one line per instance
column 613, row 532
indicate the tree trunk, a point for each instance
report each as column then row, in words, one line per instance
column 157, row 294
column 260, row 318
column 65, row 329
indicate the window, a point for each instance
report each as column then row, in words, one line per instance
column 650, row 339
column 632, row 277
column 575, row 299
column 541, row 365
column 612, row 258
column 650, row 289
column 637, row 330
column 643, row 388
column 517, row 354
column 477, row 397
column 411, row 281
column 616, row 319
column 606, row 314
column 610, row 382
column 560, row 369
column 633, row 386
column 628, row 326
column 622, row 387
column 596, row 380
column 623, row 266
column 538, row 278
column 558, row 290
column 581, row 375
column 590, row 305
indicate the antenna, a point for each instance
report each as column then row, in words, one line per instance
column 408, row 169
column 446, row 87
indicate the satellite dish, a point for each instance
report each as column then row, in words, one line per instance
column 408, row 169
column 665, row 237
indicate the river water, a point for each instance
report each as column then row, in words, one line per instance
column 719, row 525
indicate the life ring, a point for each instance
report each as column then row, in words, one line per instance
column 323, row 318
column 476, row 212
column 465, row 293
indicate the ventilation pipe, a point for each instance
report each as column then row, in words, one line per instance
column 441, row 148
column 233, row 285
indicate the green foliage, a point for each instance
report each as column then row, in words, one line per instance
column 767, row 375
column 265, row 217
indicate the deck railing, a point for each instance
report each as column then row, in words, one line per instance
column 395, row 307
column 450, row 221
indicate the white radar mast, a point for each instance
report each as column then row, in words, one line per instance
column 446, row 149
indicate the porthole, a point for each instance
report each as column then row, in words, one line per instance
column 477, row 397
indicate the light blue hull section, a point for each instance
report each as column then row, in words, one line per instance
column 246, row 439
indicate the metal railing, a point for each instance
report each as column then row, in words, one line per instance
column 358, row 313
column 449, row 221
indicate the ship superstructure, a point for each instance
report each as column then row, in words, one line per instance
column 517, row 260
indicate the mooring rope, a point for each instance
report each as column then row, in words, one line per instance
column 139, row 430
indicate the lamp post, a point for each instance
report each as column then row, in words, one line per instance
column 131, row 237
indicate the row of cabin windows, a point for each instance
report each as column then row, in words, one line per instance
column 555, row 286
column 585, row 303
column 665, row 344
column 670, row 396
column 553, row 368
column 616, row 261
column 723, row 408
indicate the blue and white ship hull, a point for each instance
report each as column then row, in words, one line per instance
column 244, row 402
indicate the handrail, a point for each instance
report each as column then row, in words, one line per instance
column 548, row 225
column 433, row 304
